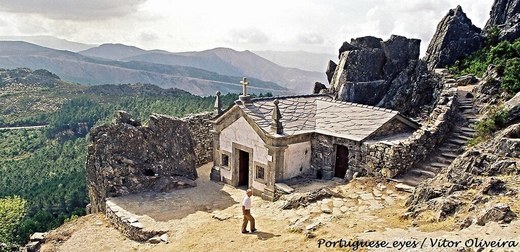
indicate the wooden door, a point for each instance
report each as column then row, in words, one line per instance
column 243, row 168
column 341, row 161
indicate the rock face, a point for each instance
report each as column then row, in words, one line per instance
column 383, row 73
column 318, row 86
column 474, row 170
column 513, row 108
column 454, row 38
column 125, row 157
column 331, row 67
column 505, row 15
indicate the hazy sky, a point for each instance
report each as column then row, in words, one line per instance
column 311, row 25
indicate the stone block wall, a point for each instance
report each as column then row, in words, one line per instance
column 200, row 129
column 323, row 156
column 128, row 223
column 388, row 161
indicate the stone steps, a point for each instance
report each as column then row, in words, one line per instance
column 453, row 150
column 449, row 155
column 422, row 173
column 450, row 149
column 470, row 134
column 458, row 141
column 432, row 169
column 462, row 137
column 466, row 129
column 438, row 165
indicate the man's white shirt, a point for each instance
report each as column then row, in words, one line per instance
column 247, row 203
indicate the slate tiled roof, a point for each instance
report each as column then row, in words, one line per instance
column 319, row 113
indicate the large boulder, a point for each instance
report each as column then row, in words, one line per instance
column 513, row 108
column 331, row 68
column 399, row 52
column 366, row 42
column 498, row 213
column 455, row 37
column 370, row 68
column 505, row 15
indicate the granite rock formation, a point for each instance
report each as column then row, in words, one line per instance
column 125, row 157
column 455, row 37
column 475, row 169
column 383, row 73
column 505, row 15
column 331, row 67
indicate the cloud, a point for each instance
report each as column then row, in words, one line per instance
column 148, row 36
column 248, row 36
column 73, row 9
column 310, row 38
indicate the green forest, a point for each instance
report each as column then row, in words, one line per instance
column 42, row 170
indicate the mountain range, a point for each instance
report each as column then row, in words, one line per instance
column 200, row 73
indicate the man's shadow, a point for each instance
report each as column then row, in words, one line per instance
column 264, row 235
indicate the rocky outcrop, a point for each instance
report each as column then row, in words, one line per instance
column 513, row 109
column 498, row 213
column 331, row 67
column 125, row 158
column 455, row 37
column 318, row 86
column 474, row 170
column 505, row 15
column 383, row 73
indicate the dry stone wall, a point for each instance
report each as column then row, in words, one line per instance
column 200, row 129
column 128, row 224
column 390, row 160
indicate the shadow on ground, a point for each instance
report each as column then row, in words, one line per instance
column 206, row 196
column 264, row 235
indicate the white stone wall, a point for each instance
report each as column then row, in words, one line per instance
column 297, row 159
column 258, row 186
column 240, row 132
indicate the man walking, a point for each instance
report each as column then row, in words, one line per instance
column 246, row 211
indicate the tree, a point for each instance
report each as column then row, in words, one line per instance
column 12, row 211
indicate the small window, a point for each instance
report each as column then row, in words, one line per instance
column 225, row 160
column 259, row 172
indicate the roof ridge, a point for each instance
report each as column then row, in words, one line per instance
column 289, row 96
column 366, row 106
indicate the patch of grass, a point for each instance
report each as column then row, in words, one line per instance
column 505, row 55
column 494, row 120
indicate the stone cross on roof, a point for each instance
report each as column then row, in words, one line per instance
column 244, row 97
column 244, row 86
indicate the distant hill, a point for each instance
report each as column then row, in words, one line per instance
column 299, row 59
column 223, row 61
column 50, row 42
column 75, row 67
column 113, row 51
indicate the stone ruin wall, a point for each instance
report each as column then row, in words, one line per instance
column 126, row 157
column 200, row 129
column 388, row 161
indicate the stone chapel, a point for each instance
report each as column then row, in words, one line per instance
column 263, row 141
